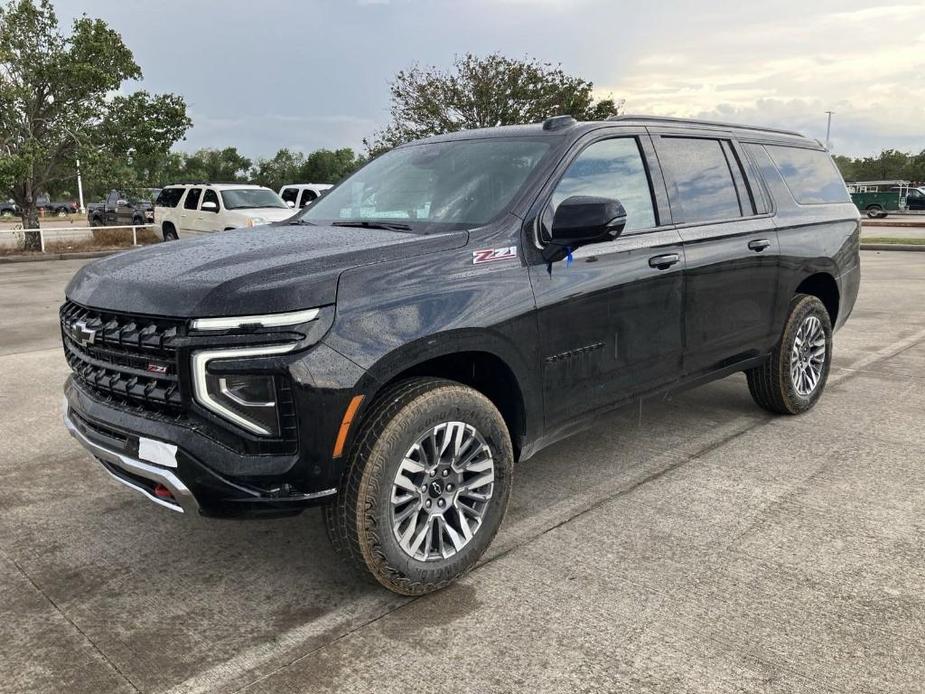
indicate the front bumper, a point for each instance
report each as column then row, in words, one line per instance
column 178, row 476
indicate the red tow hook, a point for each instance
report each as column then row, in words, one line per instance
column 161, row 492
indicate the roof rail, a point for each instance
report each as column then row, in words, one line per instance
column 559, row 122
column 671, row 119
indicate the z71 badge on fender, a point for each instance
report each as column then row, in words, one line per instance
column 489, row 255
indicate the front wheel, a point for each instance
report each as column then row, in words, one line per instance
column 793, row 378
column 426, row 486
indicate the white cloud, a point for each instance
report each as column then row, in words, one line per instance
column 789, row 71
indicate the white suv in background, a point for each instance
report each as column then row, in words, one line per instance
column 196, row 208
column 298, row 195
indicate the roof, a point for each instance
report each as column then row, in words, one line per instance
column 216, row 186
column 308, row 185
column 562, row 128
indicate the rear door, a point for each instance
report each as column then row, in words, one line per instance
column 730, row 247
column 190, row 210
column 609, row 320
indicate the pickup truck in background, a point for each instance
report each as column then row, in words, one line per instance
column 876, row 199
column 43, row 202
column 121, row 209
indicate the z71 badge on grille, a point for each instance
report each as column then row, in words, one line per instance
column 489, row 255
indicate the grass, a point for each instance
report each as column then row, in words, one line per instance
column 103, row 240
column 891, row 239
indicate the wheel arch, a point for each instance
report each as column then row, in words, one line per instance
column 488, row 371
column 823, row 286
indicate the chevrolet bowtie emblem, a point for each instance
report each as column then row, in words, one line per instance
column 80, row 333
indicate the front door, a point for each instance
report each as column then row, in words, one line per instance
column 730, row 247
column 609, row 320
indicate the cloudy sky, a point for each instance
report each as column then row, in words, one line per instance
column 314, row 73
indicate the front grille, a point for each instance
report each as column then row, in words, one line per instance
column 124, row 357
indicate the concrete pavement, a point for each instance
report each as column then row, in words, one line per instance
column 692, row 544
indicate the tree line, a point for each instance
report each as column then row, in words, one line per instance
column 889, row 165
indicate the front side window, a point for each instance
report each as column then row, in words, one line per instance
column 290, row 194
column 251, row 198
column 810, row 174
column 702, row 176
column 210, row 196
column 192, row 199
column 457, row 182
column 610, row 169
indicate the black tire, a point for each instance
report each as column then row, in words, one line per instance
column 875, row 212
column 137, row 221
column 771, row 384
column 170, row 233
column 359, row 521
column 96, row 222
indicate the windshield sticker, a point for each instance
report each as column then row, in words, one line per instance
column 490, row 255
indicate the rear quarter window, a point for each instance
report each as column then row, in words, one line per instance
column 810, row 174
column 169, row 197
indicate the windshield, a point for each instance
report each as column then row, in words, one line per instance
column 250, row 198
column 463, row 182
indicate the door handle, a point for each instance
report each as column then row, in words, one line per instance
column 759, row 245
column 663, row 262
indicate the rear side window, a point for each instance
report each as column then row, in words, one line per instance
column 810, row 174
column 702, row 177
column 169, row 197
column 192, row 199
column 307, row 197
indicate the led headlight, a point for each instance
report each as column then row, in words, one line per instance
column 248, row 400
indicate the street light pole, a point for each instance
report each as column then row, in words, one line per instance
column 828, row 132
column 80, row 189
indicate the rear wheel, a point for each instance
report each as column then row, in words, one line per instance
column 793, row 379
column 875, row 212
column 96, row 222
column 426, row 486
column 170, row 233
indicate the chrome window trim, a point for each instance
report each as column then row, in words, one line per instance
column 200, row 361
column 267, row 320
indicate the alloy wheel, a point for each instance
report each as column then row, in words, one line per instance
column 807, row 356
column 441, row 491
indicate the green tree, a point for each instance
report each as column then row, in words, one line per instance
column 216, row 165
column 56, row 104
column 481, row 92
column 284, row 167
column 329, row 166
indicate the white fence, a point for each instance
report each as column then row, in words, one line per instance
column 13, row 238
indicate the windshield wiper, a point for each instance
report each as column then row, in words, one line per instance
column 365, row 224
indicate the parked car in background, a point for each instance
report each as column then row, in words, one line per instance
column 298, row 195
column 43, row 202
column 457, row 305
column 121, row 209
column 9, row 208
column 195, row 208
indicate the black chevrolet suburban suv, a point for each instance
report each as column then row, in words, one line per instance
column 453, row 307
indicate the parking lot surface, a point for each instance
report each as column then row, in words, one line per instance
column 693, row 543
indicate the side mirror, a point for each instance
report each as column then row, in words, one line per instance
column 210, row 206
column 290, row 203
column 122, row 202
column 584, row 219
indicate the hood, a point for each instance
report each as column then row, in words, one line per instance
column 267, row 269
column 271, row 214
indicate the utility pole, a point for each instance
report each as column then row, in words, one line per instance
column 828, row 132
column 80, row 189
